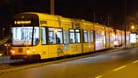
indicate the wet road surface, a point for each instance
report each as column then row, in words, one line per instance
column 90, row 67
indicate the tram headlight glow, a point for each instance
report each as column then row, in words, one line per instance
column 28, row 51
column 1, row 54
column 12, row 51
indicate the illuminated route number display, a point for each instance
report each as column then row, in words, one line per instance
column 22, row 22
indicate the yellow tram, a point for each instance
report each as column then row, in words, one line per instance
column 41, row 36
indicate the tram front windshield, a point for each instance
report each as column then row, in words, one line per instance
column 25, row 36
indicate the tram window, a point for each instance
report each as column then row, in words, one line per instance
column 98, row 36
column 91, row 36
column 66, row 37
column 55, row 36
column 77, row 36
column 36, row 37
column 51, row 38
column 43, row 30
column 59, row 37
column 85, row 36
column 72, row 36
column 23, row 35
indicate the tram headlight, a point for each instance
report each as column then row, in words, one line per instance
column 28, row 51
column 1, row 54
column 12, row 51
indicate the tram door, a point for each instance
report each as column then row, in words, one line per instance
column 44, row 47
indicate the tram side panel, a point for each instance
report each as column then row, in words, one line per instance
column 107, row 37
column 112, row 37
column 100, row 40
column 55, row 40
column 87, row 38
column 75, row 38
column 123, row 38
column 127, row 39
column 51, row 36
column 66, row 24
column 118, row 38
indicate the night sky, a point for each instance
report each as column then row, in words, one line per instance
column 104, row 10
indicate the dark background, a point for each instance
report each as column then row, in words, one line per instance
column 112, row 12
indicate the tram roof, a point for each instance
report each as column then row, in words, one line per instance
column 45, row 16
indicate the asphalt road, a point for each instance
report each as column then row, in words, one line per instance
column 105, row 65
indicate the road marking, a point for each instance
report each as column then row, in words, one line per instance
column 99, row 76
column 136, row 61
column 119, row 68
